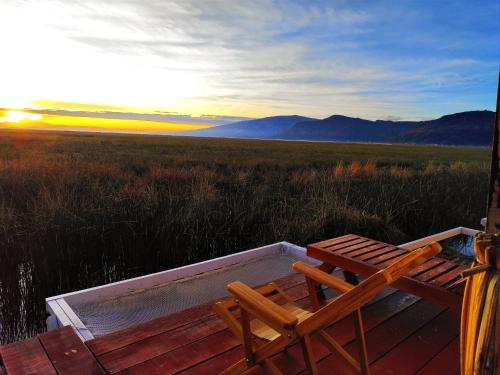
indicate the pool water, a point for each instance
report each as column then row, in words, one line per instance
column 459, row 248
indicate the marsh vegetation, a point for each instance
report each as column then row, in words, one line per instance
column 79, row 210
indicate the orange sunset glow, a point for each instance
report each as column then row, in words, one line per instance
column 21, row 119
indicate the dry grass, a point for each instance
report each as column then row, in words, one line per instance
column 82, row 210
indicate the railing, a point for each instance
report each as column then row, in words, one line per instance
column 439, row 237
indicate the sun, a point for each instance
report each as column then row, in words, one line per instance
column 18, row 116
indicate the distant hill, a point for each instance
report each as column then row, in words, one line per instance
column 473, row 128
column 267, row 127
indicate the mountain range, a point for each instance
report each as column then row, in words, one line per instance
column 472, row 128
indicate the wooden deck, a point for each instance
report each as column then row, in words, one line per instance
column 405, row 335
column 55, row 352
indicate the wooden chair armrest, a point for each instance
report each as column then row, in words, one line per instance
column 262, row 308
column 321, row 277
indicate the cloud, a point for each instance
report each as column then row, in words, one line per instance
column 170, row 117
column 272, row 57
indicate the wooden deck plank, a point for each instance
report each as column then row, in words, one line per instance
column 385, row 337
column 154, row 346
column 410, row 355
column 68, row 353
column 343, row 331
column 216, row 364
column 445, row 362
column 26, row 357
column 187, row 355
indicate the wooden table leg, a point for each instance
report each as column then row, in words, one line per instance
column 315, row 290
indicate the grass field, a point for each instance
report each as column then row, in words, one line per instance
column 79, row 210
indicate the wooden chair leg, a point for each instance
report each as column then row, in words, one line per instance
column 306, row 344
column 360, row 338
column 335, row 347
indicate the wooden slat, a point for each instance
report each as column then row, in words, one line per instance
column 436, row 272
column 389, row 258
column 410, row 355
column 26, row 357
column 448, row 277
column 359, row 246
column 366, row 250
column 376, row 253
column 445, row 362
column 68, row 353
column 344, row 245
column 431, row 263
column 336, row 240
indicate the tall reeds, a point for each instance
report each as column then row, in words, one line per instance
column 82, row 210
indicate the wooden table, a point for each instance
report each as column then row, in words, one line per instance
column 437, row 280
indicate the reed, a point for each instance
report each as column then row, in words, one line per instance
column 79, row 210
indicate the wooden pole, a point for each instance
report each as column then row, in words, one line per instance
column 493, row 223
column 480, row 326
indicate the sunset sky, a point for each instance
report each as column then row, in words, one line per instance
column 213, row 62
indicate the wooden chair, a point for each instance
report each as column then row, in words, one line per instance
column 267, row 321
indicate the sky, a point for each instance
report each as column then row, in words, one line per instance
column 213, row 62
